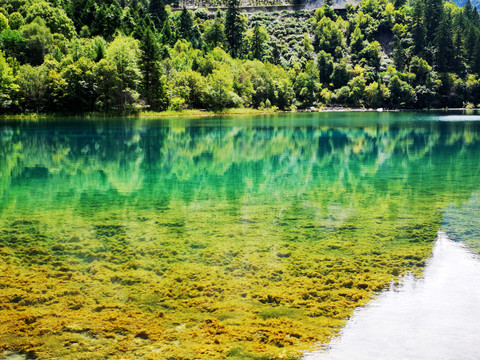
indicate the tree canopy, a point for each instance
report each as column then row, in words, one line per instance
column 104, row 55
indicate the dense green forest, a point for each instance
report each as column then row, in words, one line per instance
column 134, row 55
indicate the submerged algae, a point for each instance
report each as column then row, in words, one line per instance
column 214, row 242
column 146, row 294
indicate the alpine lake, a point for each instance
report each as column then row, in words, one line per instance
column 221, row 237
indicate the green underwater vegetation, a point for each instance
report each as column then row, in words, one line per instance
column 217, row 238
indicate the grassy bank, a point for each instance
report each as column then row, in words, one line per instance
column 189, row 113
column 142, row 114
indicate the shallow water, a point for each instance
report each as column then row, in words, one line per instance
column 435, row 317
column 221, row 237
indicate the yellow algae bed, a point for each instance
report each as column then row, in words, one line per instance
column 226, row 241
column 135, row 289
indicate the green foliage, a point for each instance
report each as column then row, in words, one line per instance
column 193, row 88
column 124, row 53
column 152, row 87
column 39, row 41
column 257, row 41
column 14, row 44
column 259, row 83
column 356, row 42
column 357, row 90
column 215, row 33
column 185, row 25
column 33, row 90
column 325, row 66
column 8, row 87
column 167, row 35
column 106, row 20
column 88, row 55
column 157, row 12
column 78, row 90
column 16, row 20
column 341, row 74
column 221, row 93
column 401, row 93
column 444, row 42
column 307, row 85
column 376, row 95
column 328, row 36
column 419, row 29
column 55, row 18
column 433, row 16
column 234, row 28
column 107, row 83
column 3, row 22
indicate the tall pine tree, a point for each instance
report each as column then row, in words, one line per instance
column 419, row 30
column 157, row 12
column 433, row 18
column 258, row 42
column 168, row 34
column 153, row 90
column 475, row 65
column 185, row 24
column 234, row 28
column 445, row 56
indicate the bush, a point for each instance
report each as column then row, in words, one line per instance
column 177, row 103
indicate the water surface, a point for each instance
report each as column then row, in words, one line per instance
column 222, row 237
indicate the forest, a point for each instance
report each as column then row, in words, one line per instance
column 130, row 56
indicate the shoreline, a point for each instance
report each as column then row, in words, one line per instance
column 202, row 113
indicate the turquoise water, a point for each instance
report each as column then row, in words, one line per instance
column 149, row 163
column 220, row 237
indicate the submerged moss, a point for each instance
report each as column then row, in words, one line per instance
column 141, row 292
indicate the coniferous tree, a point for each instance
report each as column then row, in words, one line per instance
column 275, row 53
column 106, row 20
column 356, row 42
column 168, row 35
column 258, row 42
column 215, row 34
column 196, row 38
column 325, row 66
column 419, row 30
column 435, row 53
column 234, row 28
column 185, row 24
column 445, row 55
column 470, row 43
column 459, row 66
column 476, row 15
column 433, row 17
column 468, row 10
column 157, row 12
column 475, row 66
column 153, row 89
column 328, row 10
